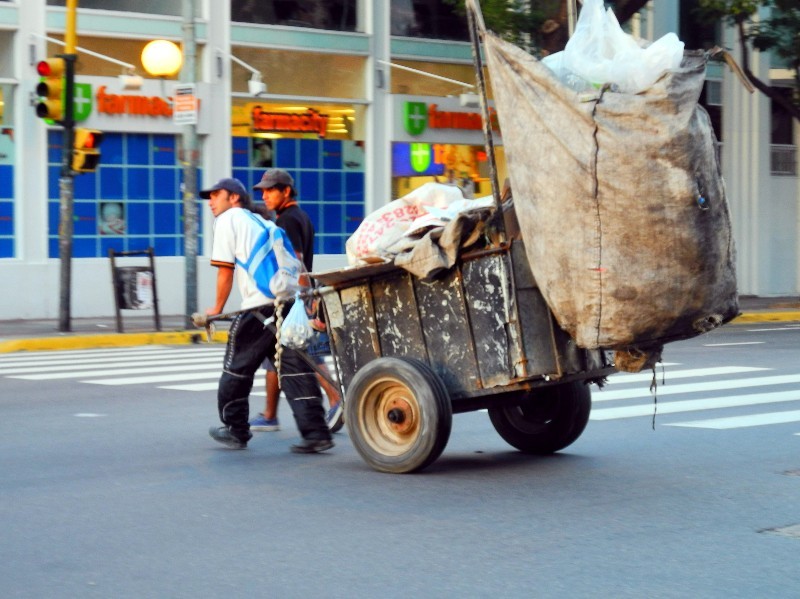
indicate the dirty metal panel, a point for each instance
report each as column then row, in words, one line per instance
column 487, row 289
column 534, row 315
column 445, row 326
column 397, row 318
column 355, row 338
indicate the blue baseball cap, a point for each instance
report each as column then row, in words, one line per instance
column 232, row 185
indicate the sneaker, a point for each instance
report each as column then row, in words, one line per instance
column 223, row 435
column 261, row 424
column 334, row 416
column 311, row 446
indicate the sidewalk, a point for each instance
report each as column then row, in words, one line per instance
column 39, row 335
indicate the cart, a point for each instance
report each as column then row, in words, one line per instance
column 410, row 353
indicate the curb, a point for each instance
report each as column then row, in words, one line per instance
column 94, row 341
column 110, row 340
column 779, row 316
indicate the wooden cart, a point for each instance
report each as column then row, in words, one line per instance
column 410, row 353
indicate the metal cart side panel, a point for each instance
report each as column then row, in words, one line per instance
column 443, row 314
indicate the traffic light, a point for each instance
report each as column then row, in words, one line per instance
column 51, row 89
column 85, row 153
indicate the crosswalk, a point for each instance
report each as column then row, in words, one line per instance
column 719, row 397
column 762, row 396
column 164, row 367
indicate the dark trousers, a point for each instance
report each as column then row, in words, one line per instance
column 249, row 342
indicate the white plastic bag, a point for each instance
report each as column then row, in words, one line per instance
column 296, row 331
column 378, row 235
column 600, row 52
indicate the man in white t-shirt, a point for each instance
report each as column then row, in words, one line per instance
column 236, row 230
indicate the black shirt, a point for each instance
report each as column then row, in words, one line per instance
column 298, row 227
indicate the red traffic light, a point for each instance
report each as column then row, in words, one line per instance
column 43, row 68
column 52, row 67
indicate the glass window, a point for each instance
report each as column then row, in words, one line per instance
column 339, row 15
column 133, row 200
column 327, row 75
column 327, row 164
column 7, row 157
column 156, row 7
column 407, row 82
column 697, row 34
column 435, row 19
column 782, row 122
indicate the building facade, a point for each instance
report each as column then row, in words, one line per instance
column 348, row 83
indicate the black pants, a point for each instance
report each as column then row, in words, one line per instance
column 249, row 342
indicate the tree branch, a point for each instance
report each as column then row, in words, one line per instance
column 765, row 89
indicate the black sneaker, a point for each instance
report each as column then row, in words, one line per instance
column 223, row 435
column 311, row 446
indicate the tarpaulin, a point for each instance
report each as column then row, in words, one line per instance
column 620, row 201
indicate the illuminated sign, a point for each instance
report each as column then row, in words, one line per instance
column 129, row 104
column 430, row 160
column 307, row 122
column 418, row 116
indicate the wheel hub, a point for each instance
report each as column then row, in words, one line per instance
column 400, row 416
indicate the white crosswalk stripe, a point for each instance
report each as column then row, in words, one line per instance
column 117, row 366
column 773, row 397
column 193, row 369
column 629, row 396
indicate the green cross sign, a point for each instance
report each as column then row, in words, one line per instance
column 420, row 157
column 82, row 101
column 415, row 117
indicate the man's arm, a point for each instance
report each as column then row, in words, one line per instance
column 224, row 286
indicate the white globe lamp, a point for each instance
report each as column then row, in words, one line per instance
column 162, row 58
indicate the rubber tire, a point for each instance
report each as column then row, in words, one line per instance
column 550, row 420
column 389, row 388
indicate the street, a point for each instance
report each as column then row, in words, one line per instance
column 111, row 487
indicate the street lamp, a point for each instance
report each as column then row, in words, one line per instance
column 162, row 58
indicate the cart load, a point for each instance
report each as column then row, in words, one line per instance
column 620, row 201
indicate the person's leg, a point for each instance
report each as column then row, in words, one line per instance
column 243, row 355
column 273, row 394
column 299, row 382
column 267, row 421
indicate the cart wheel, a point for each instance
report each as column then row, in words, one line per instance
column 550, row 420
column 398, row 414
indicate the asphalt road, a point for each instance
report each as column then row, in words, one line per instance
column 115, row 490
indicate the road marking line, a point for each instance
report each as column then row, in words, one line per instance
column 159, row 378
column 743, row 421
column 728, row 344
column 111, row 372
column 140, row 366
column 606, row 395
column 138, row 349
column 257, row 382
column 695, row 405
column 51, row 364
column 623, row 378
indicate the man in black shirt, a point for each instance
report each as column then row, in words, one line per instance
column 278, row 192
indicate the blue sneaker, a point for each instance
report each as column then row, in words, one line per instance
column 334, row 417
column 264, row 425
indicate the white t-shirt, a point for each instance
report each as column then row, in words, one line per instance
column 235, row 233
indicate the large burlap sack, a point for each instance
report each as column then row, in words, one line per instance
column 620, row 202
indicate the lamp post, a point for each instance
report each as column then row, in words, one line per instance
column 162, row 58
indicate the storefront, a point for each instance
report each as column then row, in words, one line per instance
column 441, row 139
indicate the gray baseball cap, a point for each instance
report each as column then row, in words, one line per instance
column 273, row 177
column 232, row 185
